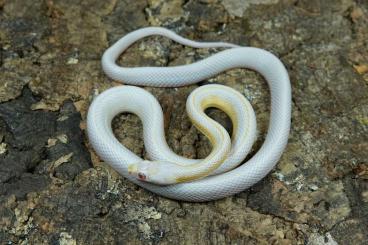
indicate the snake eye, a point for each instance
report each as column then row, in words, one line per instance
column 141, row 176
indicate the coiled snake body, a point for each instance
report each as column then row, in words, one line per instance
column 173, row 176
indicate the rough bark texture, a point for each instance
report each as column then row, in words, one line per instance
column 55, row 190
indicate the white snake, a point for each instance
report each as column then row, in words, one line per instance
column 224, row 176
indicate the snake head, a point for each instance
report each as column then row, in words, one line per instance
column 155, row 172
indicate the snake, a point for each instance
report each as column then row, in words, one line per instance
column 222, row 173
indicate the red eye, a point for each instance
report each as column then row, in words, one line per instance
column 142, row 176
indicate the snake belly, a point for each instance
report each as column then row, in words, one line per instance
column 217, row 185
